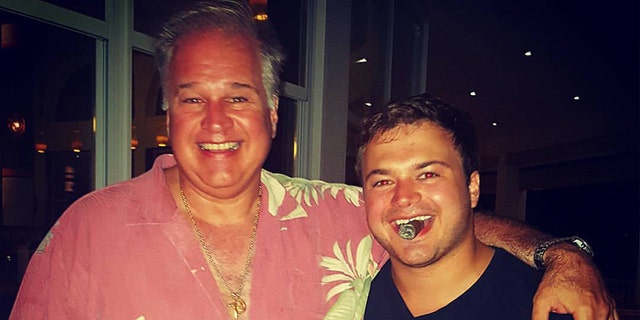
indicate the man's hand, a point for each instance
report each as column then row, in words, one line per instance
column 572, row 284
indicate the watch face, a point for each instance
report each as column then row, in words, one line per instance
column 583, row 245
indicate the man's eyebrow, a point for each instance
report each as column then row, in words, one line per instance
column 243, row 85
column 375, row 172
column 417, row 166
column 186, row 85
column 425, row 164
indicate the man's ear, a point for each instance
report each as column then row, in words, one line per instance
column 273, row 115
column 474, row 188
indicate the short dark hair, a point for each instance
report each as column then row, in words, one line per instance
column 233, row 17
column 418, row 109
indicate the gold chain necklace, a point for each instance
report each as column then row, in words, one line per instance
column 237, row 305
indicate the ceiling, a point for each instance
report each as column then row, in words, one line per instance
column 586, row 49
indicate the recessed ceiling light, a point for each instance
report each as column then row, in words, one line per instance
column 368, row 104
column 261, row 17
column 576, row 98
column 472, row 93
column 494, row 124
column 363, row 60
column 528, row 54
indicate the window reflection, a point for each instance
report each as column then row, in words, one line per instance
column 48, row 100
column 288, row 18
column 149, row 15
column 93, row 8
column 149, row 131
column 47, row 85
column 282, row 156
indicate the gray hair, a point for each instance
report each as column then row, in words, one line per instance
column 233, row 17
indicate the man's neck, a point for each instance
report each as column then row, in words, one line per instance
column 428, row 289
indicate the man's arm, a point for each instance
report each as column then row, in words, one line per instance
column 571, row 282
column 513, row 236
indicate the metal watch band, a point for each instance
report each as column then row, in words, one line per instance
column 578, row 242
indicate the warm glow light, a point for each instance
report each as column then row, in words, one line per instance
column 162, row 140
column 295, row 148
column 69, row 178
column 76, row 144
column 134, row 144
column 134, row 140
column 9, row 35
column 41, row 147
column 260, row 9
column 363, row 60
column 16, row 124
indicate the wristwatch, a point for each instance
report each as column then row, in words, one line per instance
column 542, row 248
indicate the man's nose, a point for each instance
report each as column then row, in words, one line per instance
column 216, row 117
column 406, row 193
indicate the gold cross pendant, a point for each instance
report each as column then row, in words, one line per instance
column 237, row 305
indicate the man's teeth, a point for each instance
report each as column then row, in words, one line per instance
column 227, row 146
column 405, row 221
column 408, row 229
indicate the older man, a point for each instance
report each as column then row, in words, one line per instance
column 206, row 233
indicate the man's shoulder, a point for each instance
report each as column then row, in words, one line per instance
column 384, row 301
column 297, row 196
column 122, row 201
column 507, row 269
column 301, row 183
column 118, row 194
column 382, row 287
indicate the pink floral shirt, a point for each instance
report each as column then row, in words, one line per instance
column 127, row 252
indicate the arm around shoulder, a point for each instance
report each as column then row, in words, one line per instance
column 513, row 236
column 571, row 282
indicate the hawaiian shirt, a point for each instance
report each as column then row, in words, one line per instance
column 128, row 252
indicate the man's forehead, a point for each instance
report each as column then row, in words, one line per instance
column 398, row 131
column 215, row 54
column 225, row 84
column 216, row 35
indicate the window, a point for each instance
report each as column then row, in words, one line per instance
column 48, row 90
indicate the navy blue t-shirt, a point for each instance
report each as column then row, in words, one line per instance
column 504, row 291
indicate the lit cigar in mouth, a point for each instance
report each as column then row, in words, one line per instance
column 410, row 230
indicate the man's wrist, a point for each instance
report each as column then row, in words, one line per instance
column 576, row 242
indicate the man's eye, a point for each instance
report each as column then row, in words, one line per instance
column 428, row 175
column 381, row 183
column 238, row 99
column 191, row 100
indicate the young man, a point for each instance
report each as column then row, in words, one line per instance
column 418, row 162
